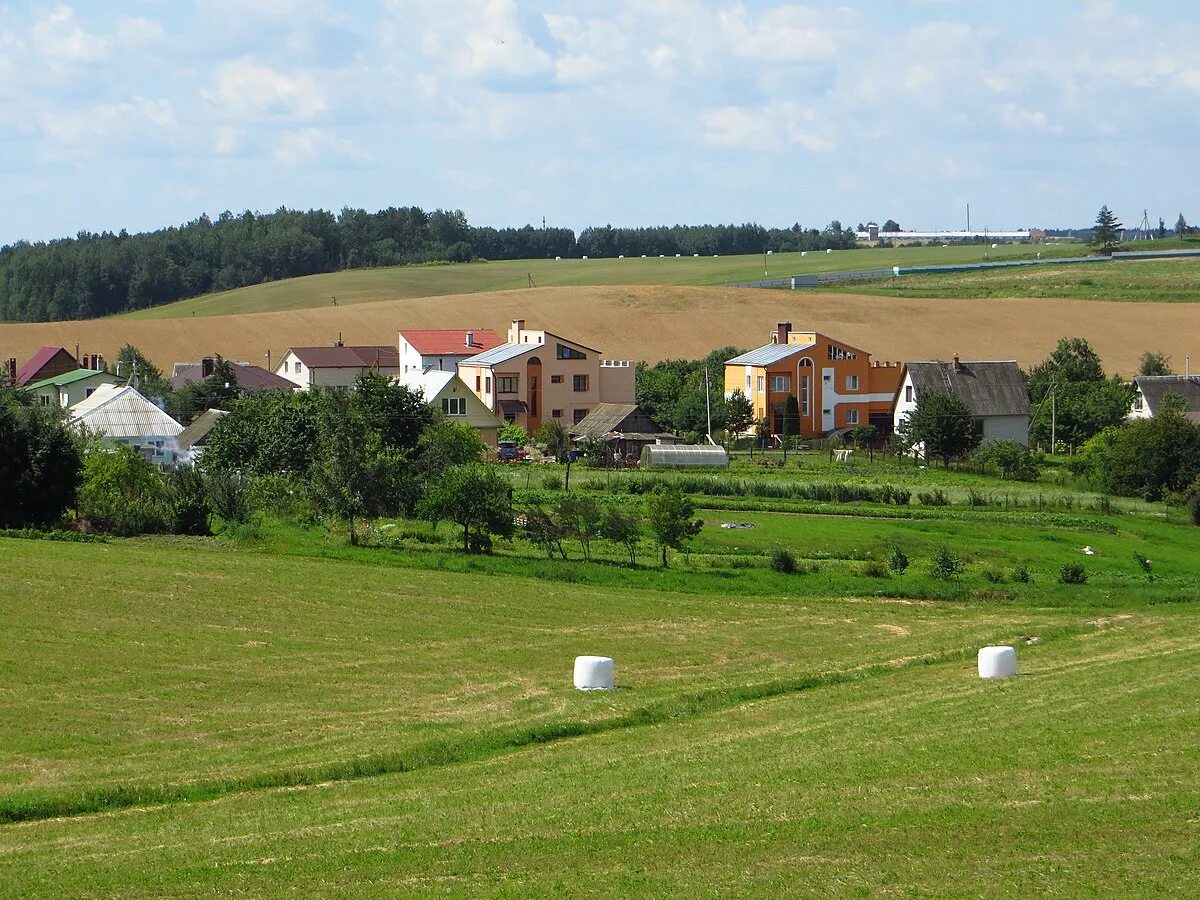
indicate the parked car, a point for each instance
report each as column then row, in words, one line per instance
column 508, row 451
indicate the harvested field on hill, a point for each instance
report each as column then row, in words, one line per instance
column 655, row 322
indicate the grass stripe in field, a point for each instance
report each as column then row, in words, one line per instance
column 461, row 750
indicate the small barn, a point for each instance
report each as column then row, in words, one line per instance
column 994, row 391
column 624, row 427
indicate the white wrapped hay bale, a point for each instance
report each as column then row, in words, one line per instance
column 997, row 662
column 594, row 673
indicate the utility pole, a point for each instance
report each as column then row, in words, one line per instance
column 1053, row 416
column 708, row 404
column 764, row 260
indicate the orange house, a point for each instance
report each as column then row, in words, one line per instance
column 836, row 385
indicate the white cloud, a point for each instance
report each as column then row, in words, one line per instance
column 786, row 34
column 1027, row 119
column 246, row 89
column 305, row 146
column 776, row 125
column 89, row 132
column 59, row 38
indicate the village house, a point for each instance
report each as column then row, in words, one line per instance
column 624, row 428
column 1152, row 390
column 994, row 391
column 836, row 385
column 70, row 388
column 250, row 378
column 50, row 362
column 447, row 392
column 538, row 376
column 123, row 416
column 337, row 366
column 425, row 349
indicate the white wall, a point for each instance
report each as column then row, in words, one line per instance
column 1006, row 428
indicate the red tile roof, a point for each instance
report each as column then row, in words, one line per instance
column 451, row 341
column 38, row 361
column 364, row 357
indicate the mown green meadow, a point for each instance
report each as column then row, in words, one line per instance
column 271, row 711
column 368, row 285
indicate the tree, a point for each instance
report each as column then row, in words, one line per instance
column 40, row 466
column 669, row 516
column 581, row 516
column 1181, row 226
column 1107, row 230
column 622, row 527
column 396, row 413
column 890, row 225
column 943, row 424
column 474, row 497
column 790, row 426
column 739, row 413
column 1161, row 231
column 554, row 437
column 217, row 391
column 345, row 470
column 543, row 530
column 863, row 437
column 1154, row 364
column 449, row 444
column 1084, row 401
column 150, row 381
column 121, row 491
column 1145, row 458
column 762, row 432
column 1073, row 360
column 1012, row 459
column 511, row 431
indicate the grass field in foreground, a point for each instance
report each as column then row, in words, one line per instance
column 1150, row 281
column 367, row 285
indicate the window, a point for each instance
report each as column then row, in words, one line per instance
column 852, row 417
column 44, row 399
column 804, row 391
column 852, row 382
column 838, row 353
column 478, row 379
column 556, row 379
column 487, row 385
column 565, row 352
column 506, row 384
column 297, row 367
column 781, row 384
column 579, row 415
column 454, row 406
column 556, row 413
column 1137, row 401
column 580, row 384
column 908, row 393
column 760, row 383
column 747, row 384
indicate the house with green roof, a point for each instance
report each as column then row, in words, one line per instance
column 70, row 388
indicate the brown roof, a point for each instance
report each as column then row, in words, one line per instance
column 249, row 378
column 625, row 418
column 362, row 357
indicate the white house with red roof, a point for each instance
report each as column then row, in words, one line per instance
column 442, row 349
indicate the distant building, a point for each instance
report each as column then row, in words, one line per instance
column 249, row 378
column 50, row 362
column 123, row 416
column 538, row 376
column 337, row 366
column 836, row 385
column 193, row 439
column 625, row 428
column 449, row 393
column 425, row 349
column 1152, row 390
column 70, row 388
column 994, row 391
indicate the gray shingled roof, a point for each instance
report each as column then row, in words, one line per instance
column 1154, row 387
column 196, row 434
column 768, row 354
column 988, row 388
column 605, row 418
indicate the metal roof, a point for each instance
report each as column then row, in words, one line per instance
column 500, row 354
column 121, row 412
column 430, row 383
column 989, row 388
column 768, row 354
column 68, row 378
column 1155, row 387
column 37, row 362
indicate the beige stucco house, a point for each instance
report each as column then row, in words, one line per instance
column 538, row 376
column 447, row 392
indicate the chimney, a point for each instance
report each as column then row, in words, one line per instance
column 206, row 367
column 100, row 366
column 957, row 364
column 338, row 342
column 782, row 330
column 12, row 370
column 470, row 339
column 268, row 359
column 514, row 333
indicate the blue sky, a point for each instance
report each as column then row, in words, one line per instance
column 144, row 114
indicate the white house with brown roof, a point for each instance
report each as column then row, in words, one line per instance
column 337, row 366
column 442, row 349
column 537, row 376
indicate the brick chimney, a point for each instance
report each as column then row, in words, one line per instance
column 11, row 369
column 782, row 330
column 957, row 364
column 206, row 367
column 338, row 342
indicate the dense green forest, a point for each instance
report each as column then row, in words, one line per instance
column 100, row 274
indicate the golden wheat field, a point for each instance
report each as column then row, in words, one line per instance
column 655, row 322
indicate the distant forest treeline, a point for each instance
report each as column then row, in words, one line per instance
column 94, row 275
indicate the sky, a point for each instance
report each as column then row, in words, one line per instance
column 147, row 113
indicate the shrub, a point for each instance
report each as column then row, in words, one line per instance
column 978, row 498
column 1021, row 575
column 121, row 493
column 1072, row 573
column 228, row 497
column 946, row 565
column 783, row 561
column 898, row 561
column 995, row 576
column 187, row 502
column 1145, row 565
column 1013, row 460
column 875, row 568
column 1194, row 505
column 552, row 482
column 934, row 498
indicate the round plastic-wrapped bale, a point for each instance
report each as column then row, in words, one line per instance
column 594, row 673
column 997, row 662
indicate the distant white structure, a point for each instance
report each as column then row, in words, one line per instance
column 123, row 416
column 594, row 673
column 871, row 235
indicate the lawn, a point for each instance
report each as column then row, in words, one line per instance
column 1146, row 281
column 367, row 285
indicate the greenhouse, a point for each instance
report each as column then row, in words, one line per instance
column 684, row 456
